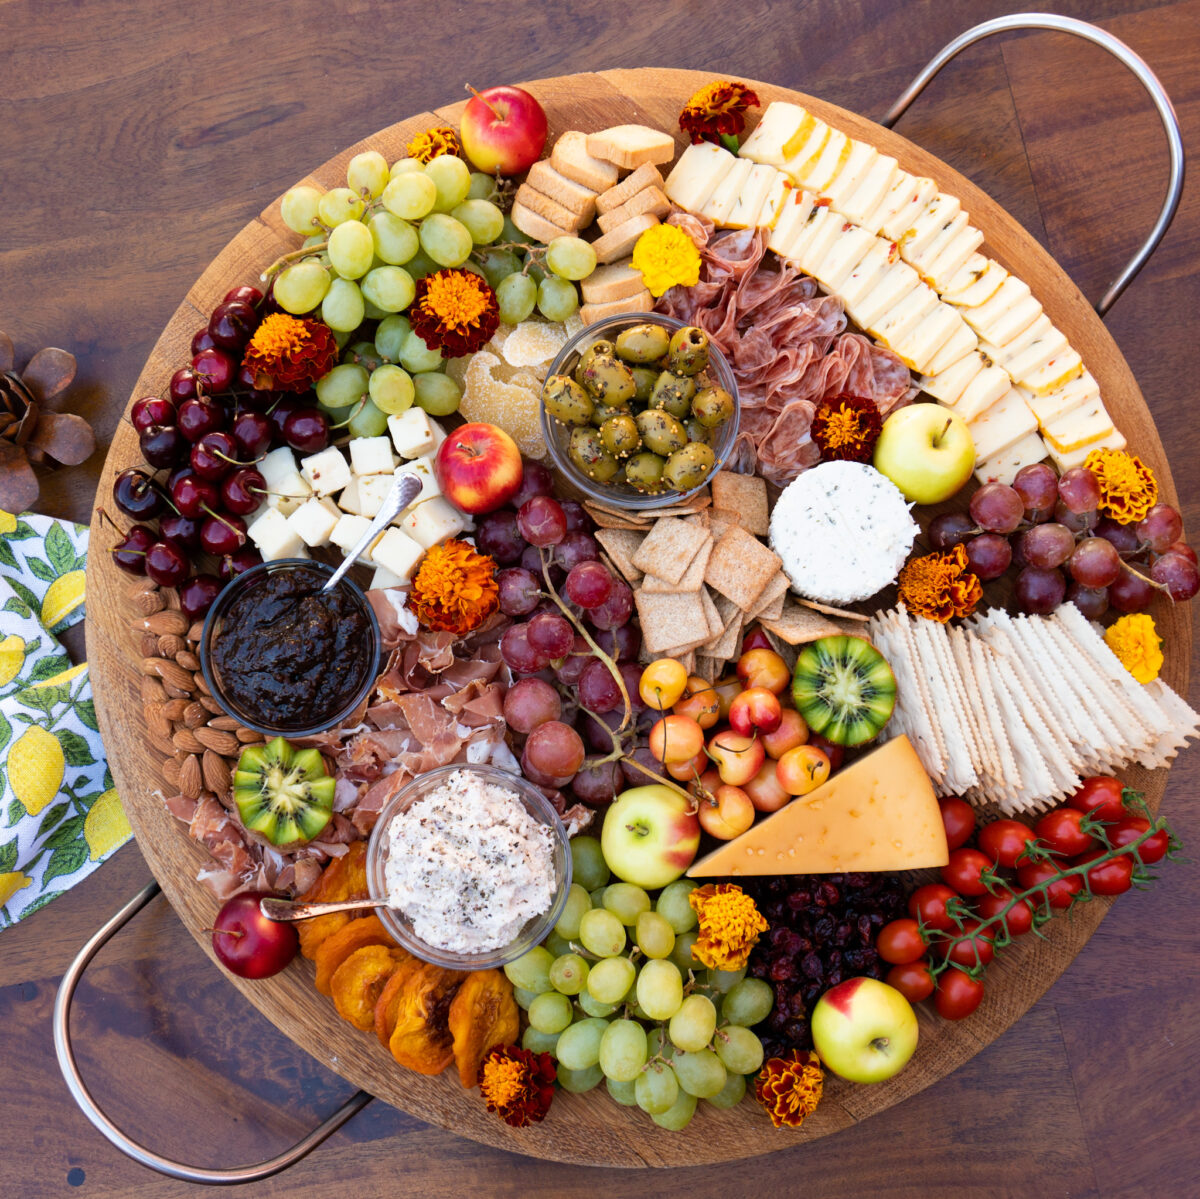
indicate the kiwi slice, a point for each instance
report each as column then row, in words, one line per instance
column 844, row 688
column 283, row 794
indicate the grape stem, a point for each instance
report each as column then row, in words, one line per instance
column 293, row 256
column 1145, row 579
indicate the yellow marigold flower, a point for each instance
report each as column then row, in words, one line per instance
column 289, row 353
column 939, row 586
column 730, row 925
column 718, row 108
column 790, row 1087
column 667, row 257
column 1128, row 488
column 517, row 1084
column 846, row 428
column 1136, row 642
column 455, row 589
column 434, row 142
column 454, row 311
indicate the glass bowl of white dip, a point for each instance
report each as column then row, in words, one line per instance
column 475, row 864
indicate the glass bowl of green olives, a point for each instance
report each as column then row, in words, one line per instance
column 640, row 410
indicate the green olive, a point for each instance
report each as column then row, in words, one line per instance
column 661, row 432
column 620, row 435
column 712, row 406
column 609, row 381
column 674, row 394
column 566, row 401
column 597, row 347
column 689, row 467
column 697, row 432
column 644, row 471
column 643, row 343
column 601, row 415
column 644, row 378
column 688, row 354
column 587, row 452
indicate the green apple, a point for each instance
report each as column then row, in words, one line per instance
column 864, row 1030
column 927, row 451
column 650, row 836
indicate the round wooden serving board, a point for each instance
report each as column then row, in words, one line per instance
column 590, row 1129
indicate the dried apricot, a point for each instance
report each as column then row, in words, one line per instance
column 358, row 982
column 421, row 1040
column 342, row 878
column 388, row 1007
column 337, row 947
column 483, row 1014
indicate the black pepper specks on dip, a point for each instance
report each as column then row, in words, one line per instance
column 290, row 655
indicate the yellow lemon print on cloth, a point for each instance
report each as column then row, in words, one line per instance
column 105, row 826
column 8, row 522
column 62, row 597
column 35, row 769
column 14, row 880
column 12, row 658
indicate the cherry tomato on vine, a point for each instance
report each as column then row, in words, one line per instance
column 1113, row 877
column 1004, row 841
column 963, row 870
column 1153, row 849
column 959, row 818
column 928, row 904
column 1061, row 832
column 957, row 995
column 900, row 942
column 912, row 980
column 1060, row 894
column 1101, row 796
column 1019, row 918
column 973, row 950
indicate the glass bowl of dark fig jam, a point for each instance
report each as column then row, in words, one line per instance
column 284, row 657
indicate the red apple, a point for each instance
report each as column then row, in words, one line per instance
column 792, row 731
column 756, row 709
column 247, row 943
column 738, row 758
column 478, row 467
column 763, row 668
column 503, row 130
column 802, row 769
column 730, row 816
column 765, row 791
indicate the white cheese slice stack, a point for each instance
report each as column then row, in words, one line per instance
column 843, row 531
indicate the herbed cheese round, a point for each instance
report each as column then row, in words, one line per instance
column 843, row 531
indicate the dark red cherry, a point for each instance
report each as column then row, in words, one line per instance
column 202, row 340
column 246, row 293
column 130, row 552
column 233, row 564
column 193, row 495
column 162, row 445
column 183, row 530
column 221, row 535
column 166, row 564
column 200, row 416
column 250, row 395
column 306, row 430
column 215, row 369
column 183, row 385
column 243, row 490
column 232, row 324
column 197, row 594
column 214, row 455
column 284, row 407
column 151, row 410
column 252, row 431
column 137, row 495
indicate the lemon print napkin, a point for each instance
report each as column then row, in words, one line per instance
column 59, row 813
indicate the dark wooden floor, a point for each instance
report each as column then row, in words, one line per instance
column 137, row 138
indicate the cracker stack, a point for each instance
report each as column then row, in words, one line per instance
column 1015, row 710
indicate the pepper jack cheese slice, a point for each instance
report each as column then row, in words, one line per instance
column 879, row 813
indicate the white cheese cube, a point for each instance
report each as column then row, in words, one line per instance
column 371, row 456
column 276, row 538
column 314, row 520
column 897, row 281
column 278, row 464
column 952, row 382
column 349, row 500
column 697, row 175
column 781, row 191
column 1004, row 466
column 423, row 468
column 720, row 203
column 907, row 198
column 860, row 160
column 412, row 433
column 946, row 259
column 1001, row 426
column 848, row 250
column 347, row 531
column 869, row 194
column 327, row 471
column 1048, row 408
column 779, row 122
column 373, row 490
column 383, row 579
column 937, row 215
column 750, row 201
column 1080, row 427
column 288, row 492
column 398, row 553
column 439, row 434
column 433, row 521
column 919, row 348
column 791, row 223
column 825, row 169
column 961, row 342
column 867, row 273
column 988, row 387
column 1067, row 459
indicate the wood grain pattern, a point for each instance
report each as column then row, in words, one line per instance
column 137, row 137
column 591, row 1129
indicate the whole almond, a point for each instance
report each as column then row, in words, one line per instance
column 174, row 675
column 191, row 777
column 169, row 644
column 185, row 740
column 210, row 704
column 248, row 736
column 177, row 692
column 172, row 598
column 186, row 658
column 152, row 691
column 148, row 602
column 175, row 709
column 216, row 772
column 149, row 644
column 194, row 715
column 156, row 719
column 170, row 771
column 167, row 622
column 226, row 724
column 199, row 683
column 217, row 740
column 151, row 663
column 193, row 634
column 142, row 585
column 164, row 745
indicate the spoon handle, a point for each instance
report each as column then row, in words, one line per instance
column 286, row 910
column 404, row 490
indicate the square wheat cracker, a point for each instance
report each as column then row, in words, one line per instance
column 744, row 494
column 798, row 626
column 740, row 567
column 621, row 545
column 670, row 621
column 769, row 605
column 669, row 548
column 693, row 577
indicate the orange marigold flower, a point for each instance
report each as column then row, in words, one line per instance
column 289, row 353
column 1128, row 488
column 846, row 428
column 939, row 586
column 730, row 925
column 455, row 589
column 454, row 311
column 517, row 1084
column 718, row 108
column 790, row 1087
column 434, row 142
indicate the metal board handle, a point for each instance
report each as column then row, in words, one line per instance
column 130, row 1147
column 1119, row 50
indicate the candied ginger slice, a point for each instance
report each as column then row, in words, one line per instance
column 513, row 403
column 533, row 343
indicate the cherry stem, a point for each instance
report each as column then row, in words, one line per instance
column 218, row 517
column 487, row 103
column 295, row 255
column 357, row 409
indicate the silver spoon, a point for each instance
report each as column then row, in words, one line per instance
column 287, row 910
column 404, row 491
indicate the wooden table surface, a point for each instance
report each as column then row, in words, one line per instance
column 138, row 138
